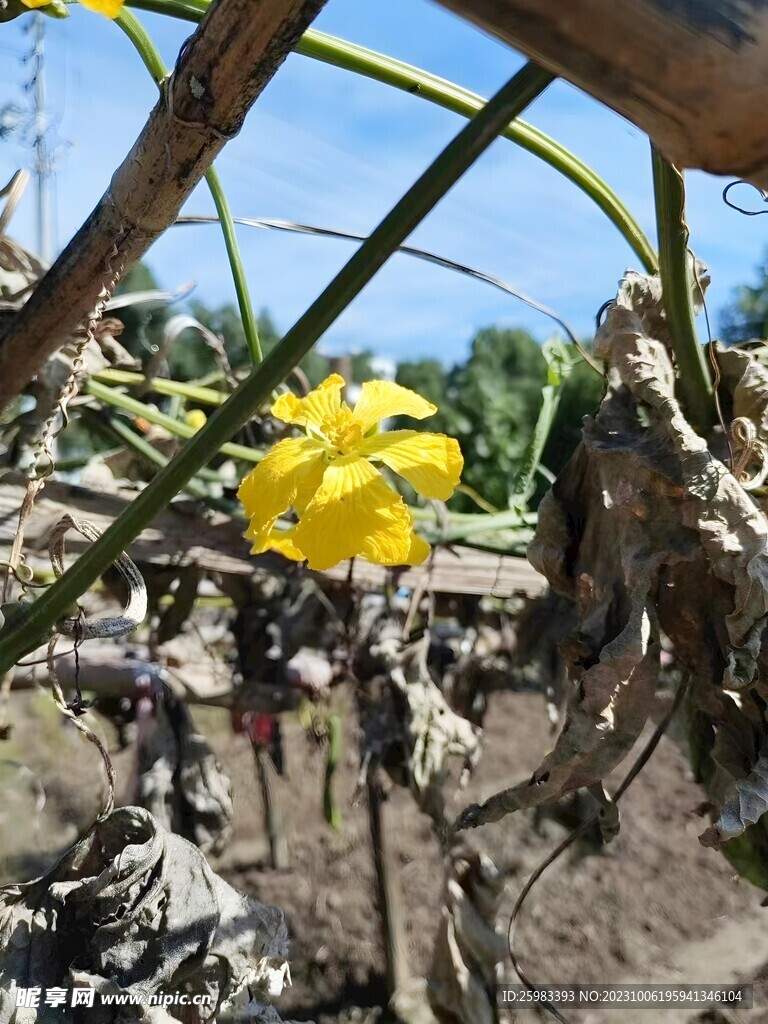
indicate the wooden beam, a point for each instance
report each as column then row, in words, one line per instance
column 180, row 535
column 692, row 74
column 220, row 73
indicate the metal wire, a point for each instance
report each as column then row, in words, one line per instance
column 421, row 254
column 739, row 209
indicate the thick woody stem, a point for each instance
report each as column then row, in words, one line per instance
column 220, row 73
column 692, row 74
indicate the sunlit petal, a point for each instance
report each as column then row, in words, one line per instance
column 319, row 404
column 418, row 551
column 111, row 8
column 35, row 3
column 380, row 399
column 431, row 463
column 288, row 473
column 354, row 512
column 282, row 541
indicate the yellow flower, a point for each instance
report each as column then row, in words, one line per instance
column 344, row 504
column 195, row 418
column 111, row 8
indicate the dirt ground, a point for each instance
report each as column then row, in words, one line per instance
column 653, row 906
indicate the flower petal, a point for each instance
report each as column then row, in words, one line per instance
column 289, row 474
column 354, row 512
column 111, row 8
column 419, row 550
column 380, row 399
column 431, row 463
column 315, row 407
column 282, row 541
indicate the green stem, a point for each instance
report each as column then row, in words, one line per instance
column 559, row 366
column 22, row 634
column 677, row 289
column 143, row 45
column 473, row 524
column 426, row 514
column 380, row 68
column 120, row 429
column 114, row 428
column 377, row 66
column 525, row 483
column 154, row 64
column 119, row 400
column 250, row 327
column 164, row 386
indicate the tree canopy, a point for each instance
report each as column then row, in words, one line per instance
column 746, row 317
column 490, row 404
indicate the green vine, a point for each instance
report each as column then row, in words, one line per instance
column 407, row 78
column 677, row 288
column 119, row 400
column 164, row 386
column 28, row 625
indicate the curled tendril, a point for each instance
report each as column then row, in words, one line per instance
column 747, row 213
column 601, row 313
column 749, row 449
column 73, row 712
column 114, row 626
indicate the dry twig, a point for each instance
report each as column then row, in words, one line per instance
column 220, row 73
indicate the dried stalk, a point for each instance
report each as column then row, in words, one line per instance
column 219, row 75
column 692, row 76
column 273, row 810
column 388, row 890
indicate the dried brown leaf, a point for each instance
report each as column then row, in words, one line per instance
column 126, row 887
column 644, row 528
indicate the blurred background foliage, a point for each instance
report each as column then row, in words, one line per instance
column 746, row 317
column 490, row 403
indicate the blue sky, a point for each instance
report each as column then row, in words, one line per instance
column 324, row 147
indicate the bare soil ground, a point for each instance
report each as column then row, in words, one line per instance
column 654, row 906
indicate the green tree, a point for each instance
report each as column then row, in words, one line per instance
column 747, row 315
column 225, row 322
column 580, row 397
column 190, row 357
column 491, row 404
column 427, row 377
column 361, row 366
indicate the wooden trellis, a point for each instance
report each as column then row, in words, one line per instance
column 180, row 536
